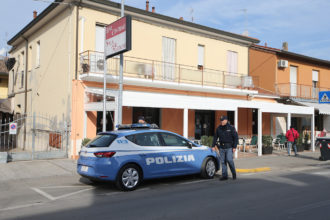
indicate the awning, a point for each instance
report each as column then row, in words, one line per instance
column 6, row 105
column 323, row 109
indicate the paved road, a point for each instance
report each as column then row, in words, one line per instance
column 282, row 194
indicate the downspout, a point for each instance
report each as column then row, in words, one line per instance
column 77, row 29
column 25, row 90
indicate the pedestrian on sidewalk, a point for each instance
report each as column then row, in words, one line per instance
column 226, row 139
column 292, row 135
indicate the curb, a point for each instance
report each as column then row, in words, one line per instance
column 255, row 170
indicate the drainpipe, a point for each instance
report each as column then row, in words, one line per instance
column 25, row 90
column 77, row 29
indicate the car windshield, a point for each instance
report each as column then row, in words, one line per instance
column 103, row 140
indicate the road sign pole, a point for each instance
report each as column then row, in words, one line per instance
column 120, row 93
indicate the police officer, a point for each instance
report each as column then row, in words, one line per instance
column 141, row 120
column 227, row 144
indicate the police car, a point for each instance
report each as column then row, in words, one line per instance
column 142, row 151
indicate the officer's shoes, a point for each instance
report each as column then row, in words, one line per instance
column 234, row 176
column 223, row 178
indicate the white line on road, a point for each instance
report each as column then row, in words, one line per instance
column 21, row 206
column 55, row 187
column 191, row 182
column 52, row 198
column 43, row 193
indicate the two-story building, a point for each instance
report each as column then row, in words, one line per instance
column 296, row 78
column 179, row 75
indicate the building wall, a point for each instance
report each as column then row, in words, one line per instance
column 172, row 120
column 217, row 116
column 91, row 124
column 3, row 87
column 304, row 75
column 149, row 46
column 127, row 115
column 244, row 122
column 191, row 123
column 263, row 65
column 50, row 82
column 266, row 125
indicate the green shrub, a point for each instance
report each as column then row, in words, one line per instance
column 207, row 140
column 85, row 141
column 267, row 140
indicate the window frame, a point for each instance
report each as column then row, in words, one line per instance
column 161, row 142
column 177, row 136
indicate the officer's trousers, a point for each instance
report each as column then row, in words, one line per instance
column 226, row 156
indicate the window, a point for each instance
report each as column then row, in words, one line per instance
column 102, row 140
column 232, row 61
column 99, row 38
column 174, row 140
column 38, row 54
column 145, row 139
column 168, row 54
column 200, row 57
column 22, row 79
column 293, row 80
column 315, row 80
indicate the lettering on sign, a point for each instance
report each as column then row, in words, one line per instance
column 169, row 160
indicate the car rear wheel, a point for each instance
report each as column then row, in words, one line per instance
column 208, row 168
column 129, row 177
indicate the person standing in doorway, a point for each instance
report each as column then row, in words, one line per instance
column 141, row 120
column 226, row 139
column 292, row 135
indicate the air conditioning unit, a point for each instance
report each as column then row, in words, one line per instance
column 282, row 64
column 247, row 81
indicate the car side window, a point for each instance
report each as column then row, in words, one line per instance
column 145, row 139
column 174, row 140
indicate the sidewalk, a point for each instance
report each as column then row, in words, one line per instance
column 67, row 167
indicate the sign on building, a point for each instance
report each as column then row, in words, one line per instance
column 118, row 37
column 324, row 97
column 12, row 128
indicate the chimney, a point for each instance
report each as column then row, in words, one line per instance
column 285, row 46
column 147, row 5
column 265, row 44
column 181, row 18
column 35, row 14
column 153, row 9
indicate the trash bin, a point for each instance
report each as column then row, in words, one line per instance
column 324, row 143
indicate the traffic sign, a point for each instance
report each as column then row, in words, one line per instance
column 13, row 128
column 324, row 97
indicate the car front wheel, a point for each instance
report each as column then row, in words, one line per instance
column 208, row 168
column 129, row 177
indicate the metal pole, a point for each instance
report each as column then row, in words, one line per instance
column 120, row 94
column 104, row 86
column 33, row 134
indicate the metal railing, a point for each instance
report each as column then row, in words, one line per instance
column 91, row 62
column 299, row 91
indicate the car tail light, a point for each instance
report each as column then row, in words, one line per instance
column 104, row 154
column 328, row 146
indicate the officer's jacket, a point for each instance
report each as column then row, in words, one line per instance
column 227, row 136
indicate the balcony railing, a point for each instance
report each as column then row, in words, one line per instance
column 299, row 91
column 92, row 63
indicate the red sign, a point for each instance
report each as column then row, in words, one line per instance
column 118, row 37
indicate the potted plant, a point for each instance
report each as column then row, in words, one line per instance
column 267, row 144
column 207, row 140
column 300, row 146
column 85, row 141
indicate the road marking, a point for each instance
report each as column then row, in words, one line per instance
column 55, row 187
column 191, row 182
column 255, row 170
column 52, row 198
column 310, row 207
column 21, row 206
column 43, row 193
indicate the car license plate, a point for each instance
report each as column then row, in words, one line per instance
column 84, row 168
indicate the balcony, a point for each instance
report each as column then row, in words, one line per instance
column 298, row 91
column 92, row 64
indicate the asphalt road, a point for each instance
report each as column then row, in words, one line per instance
column 301, row 194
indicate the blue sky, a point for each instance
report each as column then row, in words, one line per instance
column 304, row 24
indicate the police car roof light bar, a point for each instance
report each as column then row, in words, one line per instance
column 137, row 126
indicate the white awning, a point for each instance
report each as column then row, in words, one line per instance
column 324, row 109
column 99, row 91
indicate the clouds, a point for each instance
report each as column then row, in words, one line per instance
column 3, row 51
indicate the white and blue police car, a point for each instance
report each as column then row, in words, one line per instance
column 142, row 151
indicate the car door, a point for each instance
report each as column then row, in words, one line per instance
column 186, row 157
column 153, row 156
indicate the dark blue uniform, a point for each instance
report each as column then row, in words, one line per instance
column 226, row 138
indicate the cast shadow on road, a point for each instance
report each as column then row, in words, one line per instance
column 290, row 195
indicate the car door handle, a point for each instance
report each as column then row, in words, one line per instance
column 143, row 155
